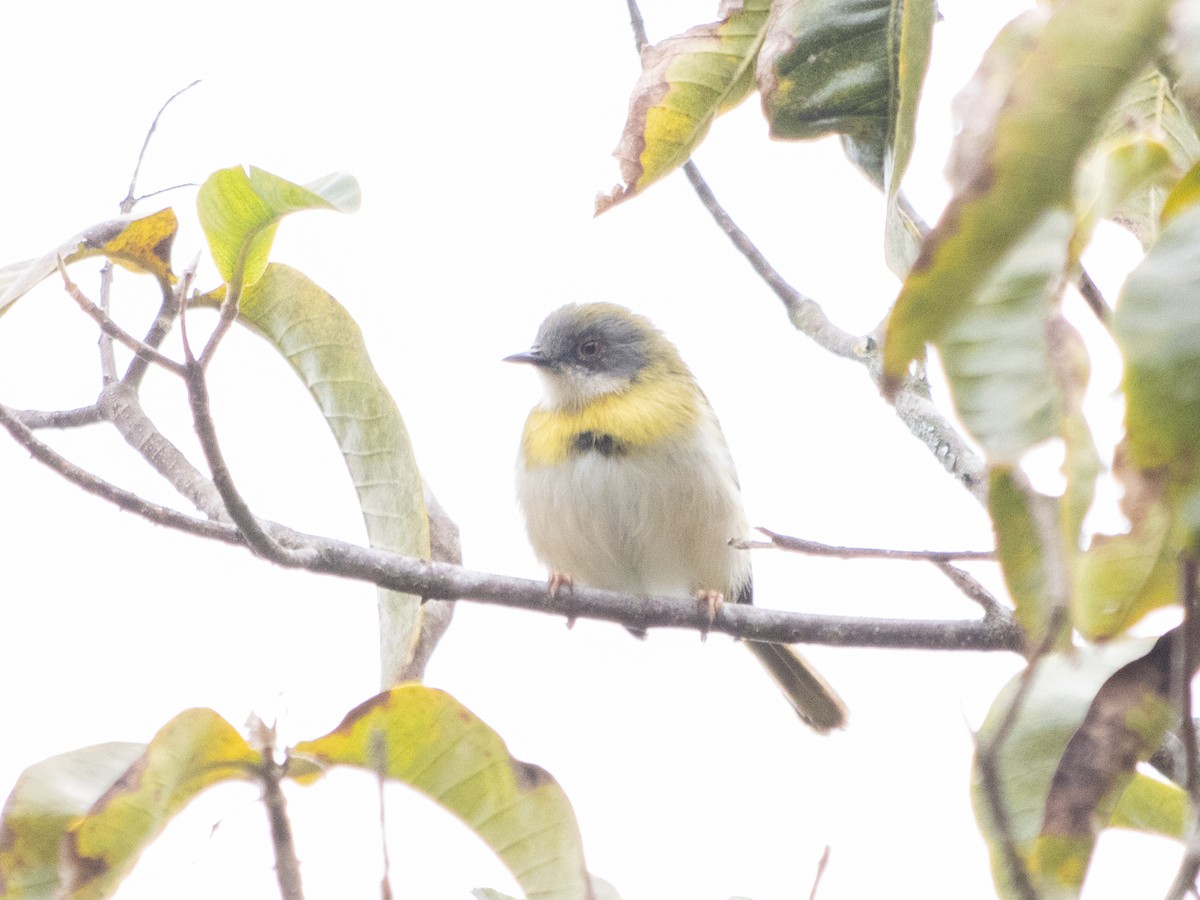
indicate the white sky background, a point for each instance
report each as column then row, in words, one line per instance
column 480, row 134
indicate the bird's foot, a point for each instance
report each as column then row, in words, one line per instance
column 557, row 582
column 711, row 601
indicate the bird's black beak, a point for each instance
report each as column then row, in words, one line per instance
column 533, row 356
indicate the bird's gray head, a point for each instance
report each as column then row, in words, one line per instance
column 585, row 351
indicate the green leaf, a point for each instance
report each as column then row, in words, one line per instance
column 1130, row 183
column 47, row 798
column 1153, row 807
column 1015, row 511
column 829, row 67
column 1059, row 697
column 1125, row 723
column 75, row 824
column 193, row 751
column 1157, row 326
column 425, row 739
column 996, row 351
column 910, row 44
column 686, row 82
column 240, row 209
column 140, row 245
column 1153, row 143
column 1183, row 196
column 1020, row 160
column 853, row 68
column 1123, row 577
column 326, row 349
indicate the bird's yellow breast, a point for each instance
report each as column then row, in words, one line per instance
column 646, row 413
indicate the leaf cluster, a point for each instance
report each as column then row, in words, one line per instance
column 1080, row 111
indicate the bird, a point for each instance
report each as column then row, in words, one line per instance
column 626, row 481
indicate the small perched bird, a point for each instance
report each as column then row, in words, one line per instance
column 626, row 481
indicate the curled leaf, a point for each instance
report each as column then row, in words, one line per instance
column 686, row 82
column 424, row 738
column 240, row 209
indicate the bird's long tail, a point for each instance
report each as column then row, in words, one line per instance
column 810, row 695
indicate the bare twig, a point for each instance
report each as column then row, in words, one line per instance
column 822, row 864
column 379, row 764
column 120, row 405
column 638, row 25
column 1184, row 668
column 58, row 418
column 108, row 364
column 436, row 580
column 123, row 499
column 228, row 313
column 1093, row 297
column 814, row 548
column 130, row 200
column 1189, row 571
column 239, row 511
column 972, row 589
column 172, row 302
column 115, row 331
column 108, row 359
column 805, row 313
column 270, row 773
column 922, row 418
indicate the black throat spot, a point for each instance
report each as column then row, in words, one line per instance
column 604, row 444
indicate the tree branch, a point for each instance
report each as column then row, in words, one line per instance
column 1184, row 665
column 130, row 199
column 58, row 418
column 923, row 419
column 121, row 406
column 814, row 548
column 115, row 331
column 806, row 314
column 270, row 773
column 239, row 511
column 911, row 403
column 437, row 580
column 972, row 589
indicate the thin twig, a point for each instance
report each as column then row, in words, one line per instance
column 239, row 511
column 822, row 864
column 115, row 331
column 814, row 548
column 130, row 200
column 167, row 190
column 225, row 320
column 379, row 764
column 1184, row 669
column 972, row 589
column 270, row 773
column 153, row 512
column 923, row 419
column 805, row 313
column 108, row 359
column 168, row 311
column 121, row 406
column 638, row 25
column 1093, row 297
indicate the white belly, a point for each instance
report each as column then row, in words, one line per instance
column 643, row 521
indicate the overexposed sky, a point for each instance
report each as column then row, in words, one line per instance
column 480, row 134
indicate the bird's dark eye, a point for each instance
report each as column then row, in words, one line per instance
column 589, row 349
